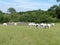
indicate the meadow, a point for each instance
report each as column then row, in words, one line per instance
column 25, row 35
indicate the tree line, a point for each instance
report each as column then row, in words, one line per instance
column 38, row 16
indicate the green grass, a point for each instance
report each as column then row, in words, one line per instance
column 24, row 35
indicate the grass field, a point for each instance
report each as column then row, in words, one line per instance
column 24, row 35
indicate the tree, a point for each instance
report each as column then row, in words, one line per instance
column 1, row 16
column 11, row 10
column 58, row 12
column 14, row 17
column 58, row 0
column 52, row 11
column 6, row 18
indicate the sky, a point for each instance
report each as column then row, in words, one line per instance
column 26, row 5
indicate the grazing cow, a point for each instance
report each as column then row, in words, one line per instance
column 15, row 24
column 53, row 24
column 31, row 24
column 5, row 24
column 43, row 25
column 49, row 25
column 37, row 25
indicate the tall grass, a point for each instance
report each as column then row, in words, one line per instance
column 25, row 35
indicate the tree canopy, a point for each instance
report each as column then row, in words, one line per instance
column 11, row 10
column 50, row 15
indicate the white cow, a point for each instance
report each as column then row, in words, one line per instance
column 31, row 24
column 43, row 25
column 53, row 24
column 15, row 24
column 5, row 24
column 49, row 25
column 36, row 25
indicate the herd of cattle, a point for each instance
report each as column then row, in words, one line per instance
column 5, row 24
column 42, row 25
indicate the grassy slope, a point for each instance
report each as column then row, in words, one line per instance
column 24, row 35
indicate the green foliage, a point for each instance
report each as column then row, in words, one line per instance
column 54, row 11
column 6, row 18
column 11, row 10
column 1, row 16
column 51, row 15
column 58, row 12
